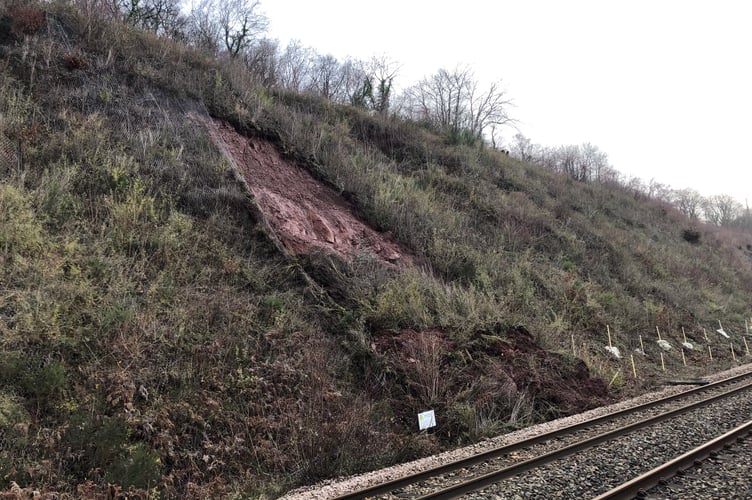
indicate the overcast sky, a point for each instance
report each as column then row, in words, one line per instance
column 663, row 87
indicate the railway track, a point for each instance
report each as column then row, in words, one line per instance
column 490, row 469
column 640, row 486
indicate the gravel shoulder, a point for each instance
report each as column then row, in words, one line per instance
column 336, row 487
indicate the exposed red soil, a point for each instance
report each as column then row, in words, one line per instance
column 304, row 215
column 508, row 361
column 565, row 383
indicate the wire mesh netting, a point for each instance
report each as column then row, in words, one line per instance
column 8, row 153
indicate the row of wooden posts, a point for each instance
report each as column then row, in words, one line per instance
column 665, row 346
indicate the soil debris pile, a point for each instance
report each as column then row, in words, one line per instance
column 563, row 382
column 509, row 375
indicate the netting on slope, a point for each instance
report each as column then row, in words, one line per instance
column 9, row 157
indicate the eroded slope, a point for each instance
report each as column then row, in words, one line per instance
column 302, row 214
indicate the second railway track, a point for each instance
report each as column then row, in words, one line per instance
column 693, row 459
column 593, row 471
column 447, row 481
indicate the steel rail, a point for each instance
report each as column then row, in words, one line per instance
column 401, row 482
column 638, row 486
column 490, row 478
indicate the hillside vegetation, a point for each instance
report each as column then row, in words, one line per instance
column 156, row 339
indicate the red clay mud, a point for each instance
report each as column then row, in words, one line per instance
column 304, row 215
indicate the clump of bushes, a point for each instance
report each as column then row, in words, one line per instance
column 691, row 236
column 27, row 19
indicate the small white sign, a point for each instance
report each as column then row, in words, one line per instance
column 426, row 419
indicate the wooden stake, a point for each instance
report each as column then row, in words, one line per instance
column 746, row 346
column 574, row 350
column 614, row 377
column 705, row 332
column 684, row 359
column 659, row 332
column 609, row 335
column 746, row 326
column 710, row 352
column 634, row 369
column 642, row 347
column 733, row 354
column 663, row 364
column 684, row 335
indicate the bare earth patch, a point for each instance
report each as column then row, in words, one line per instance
column 303, row 215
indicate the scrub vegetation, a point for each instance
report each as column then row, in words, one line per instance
column 156, row 341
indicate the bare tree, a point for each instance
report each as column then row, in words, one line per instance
column 594, row 161
column 487, row 108
column 586, row 162
column 659, row 191
column 353, row 74
column 566, row 160
column 261, row 61
column 159, row 16
column 294, row 66
column 203, row 29
column 722, row 210
column 637, row 186
column 688, row 201
column 232, row 24
column 240, row 24
column 441, row 99
column 744, row 221
column 374, row 90
column 109, row 9
column 326, row 76
column 455, row 102
column 524, row 149
column 382, row 71
column 610, row 176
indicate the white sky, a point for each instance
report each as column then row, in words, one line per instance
column 664, row 87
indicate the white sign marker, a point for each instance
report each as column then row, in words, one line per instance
column 614, row 351
column 426, row 419
column 664, row 345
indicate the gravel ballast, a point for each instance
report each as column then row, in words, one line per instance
column 334, row 488
column 726, row 475
column 597, row 470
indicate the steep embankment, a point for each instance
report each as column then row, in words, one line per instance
column 163, row 326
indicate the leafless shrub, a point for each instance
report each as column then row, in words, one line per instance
column 73, row 61
column 27, row 19
column 691, row 236
column 423, row 356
